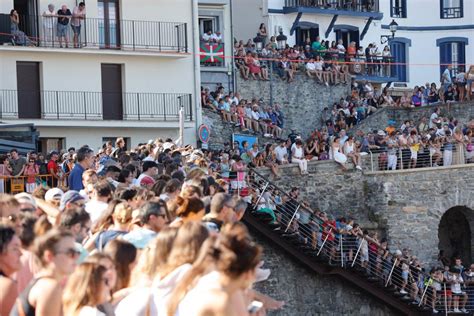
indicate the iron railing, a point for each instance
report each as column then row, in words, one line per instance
column 347, row 5
column 87, row 105
column 344, row 245
column 99, row 33
column 452, row 13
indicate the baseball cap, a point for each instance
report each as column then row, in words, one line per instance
column 53, row 194
column 69, row 197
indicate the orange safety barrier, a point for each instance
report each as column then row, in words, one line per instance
column 9, row 184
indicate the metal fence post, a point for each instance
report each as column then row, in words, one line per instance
column 292, row 218
column 138, row 105
column 57, row 104
column 391, row 272
column 357, row 253
column 133, row 34
column 324, row 241
column 85, row 105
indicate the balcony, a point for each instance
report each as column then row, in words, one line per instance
column 452, row 13
column 356, row 8
column 107, row 34
column 94, row 106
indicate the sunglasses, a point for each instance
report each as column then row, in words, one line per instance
column 71, row 253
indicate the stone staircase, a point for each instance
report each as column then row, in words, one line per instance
column 313, row 242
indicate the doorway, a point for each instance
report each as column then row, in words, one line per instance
column 454, row 234
column 348, row 36
column 112, row 102
column 303, row 33
column 109, row 23
column 28, row 14
column 29, row 89
column 399, row 52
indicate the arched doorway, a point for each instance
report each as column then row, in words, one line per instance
column 454, row 233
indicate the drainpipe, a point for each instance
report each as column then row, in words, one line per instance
column 234, row 82
column 197, row 67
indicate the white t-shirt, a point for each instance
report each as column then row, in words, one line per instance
column 319, row 65
column 95, row 209
column 90, row 311
column 48, row 20
column 433, row 117
column 341, row 48
column 280, row 153
column 447, row 76
column 310, row 66
column 206, row 37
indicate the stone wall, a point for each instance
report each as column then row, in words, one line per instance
column 464, row 112
column 406, row 205
column 221, row 131
column 302, row 100
column 307, row 293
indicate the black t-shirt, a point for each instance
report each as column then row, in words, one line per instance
column 63, row 19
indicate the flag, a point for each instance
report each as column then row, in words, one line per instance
column 212, row 52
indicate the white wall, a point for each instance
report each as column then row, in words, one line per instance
column 247, row 16
column 76, row 137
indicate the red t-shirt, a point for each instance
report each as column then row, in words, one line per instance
column 52, row 166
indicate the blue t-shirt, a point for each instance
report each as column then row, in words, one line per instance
column 106, row 236
column 75, row 178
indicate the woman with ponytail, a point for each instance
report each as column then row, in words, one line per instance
column 189, row 209
column 216, row 283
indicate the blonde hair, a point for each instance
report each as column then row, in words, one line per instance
column 154, row 256
column 186, row 246
column 83, row 288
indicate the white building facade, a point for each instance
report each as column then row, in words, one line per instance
column 131, row 71
column 430, row 33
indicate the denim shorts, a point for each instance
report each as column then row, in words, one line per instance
column 62, row 30
column 76, row 29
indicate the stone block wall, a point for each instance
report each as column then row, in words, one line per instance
column 406, row 205
column 464, row 112
column 302, row 100
column 307, row 293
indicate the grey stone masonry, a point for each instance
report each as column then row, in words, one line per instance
column 302, row 100
column 306, row 293
column 463, row 112
column 407, row 205
column 221, row 131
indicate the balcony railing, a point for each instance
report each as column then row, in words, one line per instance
column 86, row 105
column 347, row 5
column 100, row 34
column 452, row 13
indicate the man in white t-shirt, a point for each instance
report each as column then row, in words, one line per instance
column 281, row 153
column 150, row 170
column 446, row 78
column 98, row 204
column 310, row 68
column 206, row 37
column 434, row 120
column 340, row 46
column 49, row 25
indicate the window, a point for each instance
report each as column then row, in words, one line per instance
column 398, row 8
column 452, row 53
column 451, row 9
column 207, row 24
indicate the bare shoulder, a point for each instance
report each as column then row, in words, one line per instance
column 45, row 288
column 216, row 303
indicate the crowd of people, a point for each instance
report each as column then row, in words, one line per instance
column 446, row 286
column 150, row 231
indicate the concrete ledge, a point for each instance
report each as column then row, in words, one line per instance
column 428, row 169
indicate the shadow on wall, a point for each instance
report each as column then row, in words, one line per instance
column 302, row 101
column 454, row 233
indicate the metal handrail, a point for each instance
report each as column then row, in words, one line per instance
column 101, row 33
column 382, row 267
column 89, row 105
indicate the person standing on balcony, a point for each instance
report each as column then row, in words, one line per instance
column 446, row 78
column 78, row 14
column 64, row 15
column 49, row 22
column 263, row 34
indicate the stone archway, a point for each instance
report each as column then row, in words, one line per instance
column 454, row 233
